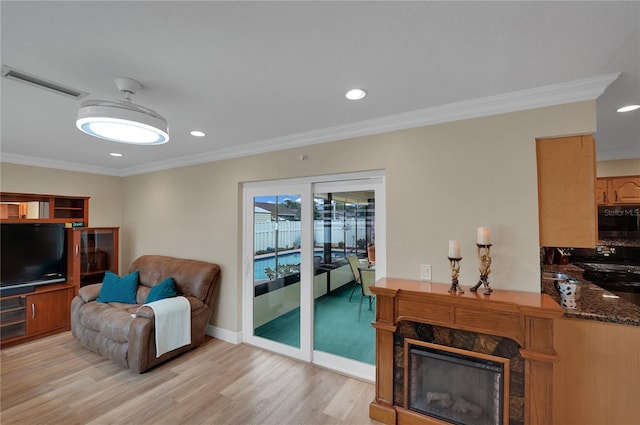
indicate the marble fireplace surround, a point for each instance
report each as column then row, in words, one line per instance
column 522, row 317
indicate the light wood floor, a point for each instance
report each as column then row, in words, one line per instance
column 56, row 381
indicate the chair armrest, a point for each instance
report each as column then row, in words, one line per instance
column 90, row 292
column 147, row 312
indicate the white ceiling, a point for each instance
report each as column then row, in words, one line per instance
column 260, row 76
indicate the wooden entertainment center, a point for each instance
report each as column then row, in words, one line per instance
column 45, row 309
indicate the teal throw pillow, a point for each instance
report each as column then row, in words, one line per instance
column 119, row 289
column 164, row 289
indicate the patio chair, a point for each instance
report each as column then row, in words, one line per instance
column 354, row 262
column 368, row 277
column 371, row 253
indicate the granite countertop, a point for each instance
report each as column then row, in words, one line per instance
column 591, row 304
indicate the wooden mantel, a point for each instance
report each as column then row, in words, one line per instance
column 524, row 317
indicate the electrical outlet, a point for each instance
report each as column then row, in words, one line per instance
column 425, row 272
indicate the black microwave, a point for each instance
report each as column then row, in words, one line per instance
column 620, row 221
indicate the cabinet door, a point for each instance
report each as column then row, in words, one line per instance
column 566, row 191
column 73, row 259
column 92, row 252
column 601, row 191
column 625, row 190
column 98, row 254
column 47, row 311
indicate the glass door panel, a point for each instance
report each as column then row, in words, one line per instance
column 98, row 254
column 277, row 243
column 344, row 226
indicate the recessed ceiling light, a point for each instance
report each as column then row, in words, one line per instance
column 197, row 133
column 115, row 154
column 356, row 94
column 628, row 108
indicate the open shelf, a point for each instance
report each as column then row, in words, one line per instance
column 19, row 207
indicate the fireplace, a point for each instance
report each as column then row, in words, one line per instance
column 457, row 386
column 429, row 342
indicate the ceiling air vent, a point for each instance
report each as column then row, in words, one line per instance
column 23, row 77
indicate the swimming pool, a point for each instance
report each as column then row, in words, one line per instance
column 260, row 264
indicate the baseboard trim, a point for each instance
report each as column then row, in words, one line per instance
column 224, row 334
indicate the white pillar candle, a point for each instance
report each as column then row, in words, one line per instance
column 484, row 236
column 454, row 249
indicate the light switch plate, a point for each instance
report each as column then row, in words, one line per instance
column 425, row 272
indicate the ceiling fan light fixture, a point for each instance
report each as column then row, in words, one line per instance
column 117, row 123
column 122, row 121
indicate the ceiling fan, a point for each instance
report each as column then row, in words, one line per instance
column 123, row 121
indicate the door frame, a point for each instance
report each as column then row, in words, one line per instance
column 306, row 187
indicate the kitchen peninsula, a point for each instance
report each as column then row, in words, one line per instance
column 593, row 303
column 598, row 377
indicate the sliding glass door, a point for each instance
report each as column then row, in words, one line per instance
column 274, row 263
column 345, row 241
column 303, row 296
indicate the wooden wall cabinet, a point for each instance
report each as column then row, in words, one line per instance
column 602, row 191
column 622, row 190
column 45, row 311
column 567, row 210
column 91, row 251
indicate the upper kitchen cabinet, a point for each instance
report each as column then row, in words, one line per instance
column 602, row 191
column 622, row 190
column 566, row 191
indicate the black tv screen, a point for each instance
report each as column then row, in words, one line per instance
column 31, row 254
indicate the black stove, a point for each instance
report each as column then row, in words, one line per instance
column 618, row 271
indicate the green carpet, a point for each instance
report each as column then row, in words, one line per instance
column 336, row 326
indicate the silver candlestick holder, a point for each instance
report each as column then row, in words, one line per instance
column 484, row 255
column 455, row 271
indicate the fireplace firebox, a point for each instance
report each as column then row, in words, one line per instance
column 458, row 386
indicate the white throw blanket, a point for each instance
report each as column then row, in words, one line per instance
column 173, row 323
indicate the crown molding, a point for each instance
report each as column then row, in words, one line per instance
column 555, row 94
column 33, row 161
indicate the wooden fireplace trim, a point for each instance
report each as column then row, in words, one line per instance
column 525, row 317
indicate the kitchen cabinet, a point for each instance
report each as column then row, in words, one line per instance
column 602, row 191
column 92, row 251
column 597, row 380
column 45, row 311
column 567, row 210
column 622, row 190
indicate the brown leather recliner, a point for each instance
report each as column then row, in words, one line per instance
column 110, row 330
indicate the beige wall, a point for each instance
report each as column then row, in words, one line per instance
column 620, row 167
column 105, row 204
column 442, row 182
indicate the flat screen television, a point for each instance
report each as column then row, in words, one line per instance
column 31, row 254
